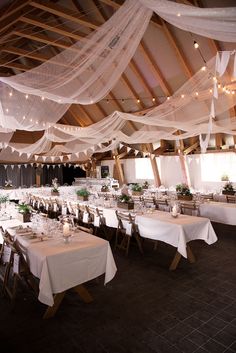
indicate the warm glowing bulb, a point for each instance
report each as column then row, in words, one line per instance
column 7, row 110
column 10, row 94
column 31, row 120
column 153, row 99
column 210, row 90
column 196, row 93
column 233, row 92
column 24, row 117
column 42, row 98
column 138, row 100
column 26, row 96
column 196, row 45
column 182, row 95
column 168, row 98
column 107, row 101
column 214, row 79
column 178, row 14
column 219, row 85
column 203, row 68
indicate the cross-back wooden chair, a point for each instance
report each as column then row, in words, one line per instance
column 189, row 208
column 125, row 231
column 162, row 205
column 231, row 198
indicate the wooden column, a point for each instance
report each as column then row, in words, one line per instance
column 157, row 179
column 184, row 168
column 121, row 177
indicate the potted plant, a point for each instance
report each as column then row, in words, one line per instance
column 125, row 201
column 8, row 184
column 145, row 184
column 228, row 189
column 137, row 189
column 82, row 194
column 3, row 200
column 224, row 177
column 104, row 188
column 24, row 212
column 55, row 189
column 183, row 192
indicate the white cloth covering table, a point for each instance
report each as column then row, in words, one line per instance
column 61, row 266
column 175, row 231
column 220, row 212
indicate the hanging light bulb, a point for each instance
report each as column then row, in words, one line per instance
column 122, row 100
column 195, row 44
column 10, row 94
column 107, row 101
column 203, row 68
column 138, row 100
column 42, row 98
column 153, row 99
column 26, row 96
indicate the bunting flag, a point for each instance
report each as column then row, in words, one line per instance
column 128, row 149
column 48, row 166
column 12, row 166
column 25, row 165
column 28, row 155
column 5, row 166
column 20, row 154
column 44, row 158
column 61, row 158
column 77, row 154
column 136, row 152
column 52, row 158
column 18, row 166
column 32, row 164
column 54, row 166
column 36, row 157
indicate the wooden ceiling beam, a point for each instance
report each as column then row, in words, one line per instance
column 155, row 69
column 61, row 11
column 179, row 53
column 39, row 23
column 15, row 65
column 191, row 148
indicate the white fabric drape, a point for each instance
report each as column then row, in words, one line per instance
column 216, row 23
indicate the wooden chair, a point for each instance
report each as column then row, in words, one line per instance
column 17, row 270
column 189, row 208
column 162, row 205
column 125, row 231
column 231, row 198
column 208, row 196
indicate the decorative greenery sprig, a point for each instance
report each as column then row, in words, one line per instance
column 23, row 208
column 183, row 189
column 228, row 186
column 82, row 192
column 3, row 198
column 124, row 198
column 136, row 187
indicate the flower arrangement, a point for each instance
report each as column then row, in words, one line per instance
column 8, row 183
column 104, row 188
column 55, row 189
column 124, row 198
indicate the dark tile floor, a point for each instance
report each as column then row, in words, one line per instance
column 145, row 309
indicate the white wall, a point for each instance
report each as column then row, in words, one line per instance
column 214, row 164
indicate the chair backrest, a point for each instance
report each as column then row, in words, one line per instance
column 126, row 222
column 189, row 208
column 162, row 205
column 231, row 198
column 86, row 230
column 207, row 196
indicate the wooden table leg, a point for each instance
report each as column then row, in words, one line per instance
column 191, row 257
column 175, row 261
column 51, row 310
column 83, row 293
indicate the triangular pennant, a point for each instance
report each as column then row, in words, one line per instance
column 136, row 152
column 12, row 166
column 20, row 154
column 28, row 155
column 36, row 157
column 44, row 158
column 69, row 156
column 5, row 166
column 25, row 165
column 19, row 166
column 53, row 158
column 61, row 158
column 128, row 149
column 32, row 164
column 48, row 166
column 54, row 166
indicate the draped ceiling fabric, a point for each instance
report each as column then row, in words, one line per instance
column 89, row 69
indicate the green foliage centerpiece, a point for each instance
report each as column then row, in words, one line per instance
column 24, row 212
column 183, row 192
column 125, row 200
column 137, row 189
column 228, row 189
column 82, row 194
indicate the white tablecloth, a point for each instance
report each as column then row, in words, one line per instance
column 61, row 266
column 175, row 231
column 220, row 212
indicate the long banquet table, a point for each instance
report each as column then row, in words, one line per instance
column 177, row 232
column 220, row 212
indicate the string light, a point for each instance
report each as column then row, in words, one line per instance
column 195, row 44
column 153, row 99
column 10, row 94
column 7, row 110
column 182, row 95
column 138, row 100
column 203, row 68
column 196, row 93
column 178, row 14
column 42, row 98
column 26, row 96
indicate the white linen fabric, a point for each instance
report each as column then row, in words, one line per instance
column 62, row 266
column 220, row 212
column 85, row 72
column 175, row 231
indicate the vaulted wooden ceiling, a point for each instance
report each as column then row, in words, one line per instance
column 32, row 31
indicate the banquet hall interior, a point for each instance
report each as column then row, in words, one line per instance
column 118, row 176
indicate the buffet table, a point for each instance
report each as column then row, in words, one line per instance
column 176, row 231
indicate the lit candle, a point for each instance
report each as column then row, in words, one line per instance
column 66, row 229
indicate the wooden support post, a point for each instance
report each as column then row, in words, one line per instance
column 157, row 179
column 121, row 177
